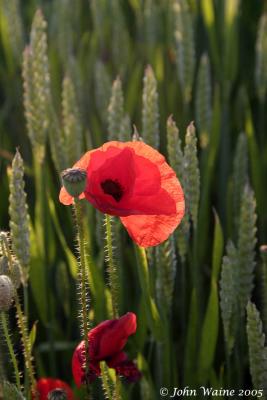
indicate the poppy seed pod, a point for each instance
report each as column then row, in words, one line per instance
column 57, row 394
column 13, row 272
column 74, row 181
column 6, row 292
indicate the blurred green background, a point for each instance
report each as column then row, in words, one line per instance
column 208, row 63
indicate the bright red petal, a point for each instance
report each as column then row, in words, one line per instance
column 151, row 230
column 46, row 385
column 143, row 172
column 153, row 202
column 105, row 340
column 78, row 370
column 110, row 337
column 116, row 165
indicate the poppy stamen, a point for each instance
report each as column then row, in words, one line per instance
column 113, row 188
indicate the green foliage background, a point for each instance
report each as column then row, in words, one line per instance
column 194, row 295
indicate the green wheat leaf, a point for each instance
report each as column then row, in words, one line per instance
column 210, row 328
column 261, row 58
column 10, row 392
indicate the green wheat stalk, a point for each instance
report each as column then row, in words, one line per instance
column 150, row 109
column 246, row 246
column 257, row 349
column 240, row 174
column 203, row 101
column 72, row 127
column 19, row 217
column 102, row 86
column 184, row 46
column 191, row 173
column 176, row 160
column 228, row 299
column 115, row 110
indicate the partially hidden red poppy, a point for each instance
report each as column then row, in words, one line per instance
column 133, row 181
column 106, row 342
column 46, row 385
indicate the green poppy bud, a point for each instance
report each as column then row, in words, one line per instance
column 74, row 181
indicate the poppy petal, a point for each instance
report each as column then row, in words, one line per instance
column 110, row 166
column 105, row 340
column 78, row 370
column 141, row 171
column 153, row 204
column 150, row 230
column 124, row 367
column 109, row 337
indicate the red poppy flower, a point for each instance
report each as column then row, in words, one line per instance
column 133, row 181
column 106, row 342
column 46, row 385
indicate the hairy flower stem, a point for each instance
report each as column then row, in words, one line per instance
column 22, row 324
column 26, row 312
column 26, row 344
column 10, row 348
column 83, row 287
column 113, row 281
column 112, row 270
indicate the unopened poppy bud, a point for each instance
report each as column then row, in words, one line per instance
column 74, row 180
column 13, row 271
column 6, row 292
column 57, row 394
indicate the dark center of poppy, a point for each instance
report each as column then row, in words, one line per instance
column 113, row 188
